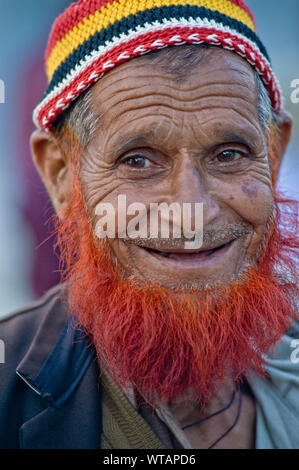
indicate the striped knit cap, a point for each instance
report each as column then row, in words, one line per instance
column 93, row 36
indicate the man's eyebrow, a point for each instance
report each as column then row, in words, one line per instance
column 236, row 137
column 145, row 138
column 137, row 139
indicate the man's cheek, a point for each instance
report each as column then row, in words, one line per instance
column 252, row 200
column 250, row 189
column 102, row 191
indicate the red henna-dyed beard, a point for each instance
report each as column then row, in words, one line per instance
column 165, row 342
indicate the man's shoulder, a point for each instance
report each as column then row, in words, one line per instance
column 18, row 329
column 37, row 366
column 32, row 313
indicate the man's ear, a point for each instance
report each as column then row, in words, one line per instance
column 282, row 138
column 53, row 167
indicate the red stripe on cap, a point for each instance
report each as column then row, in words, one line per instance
column 73, row 15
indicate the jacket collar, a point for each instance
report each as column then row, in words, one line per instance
column 60, row 368
column 59, row 354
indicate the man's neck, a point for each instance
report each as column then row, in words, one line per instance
column 227, row 421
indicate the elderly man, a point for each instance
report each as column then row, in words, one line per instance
column 151, row 342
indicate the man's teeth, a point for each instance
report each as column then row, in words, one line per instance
column 166, row 255
column 205, row 253
column 209, row 252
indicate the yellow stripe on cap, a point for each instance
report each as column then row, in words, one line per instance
column 120, row 9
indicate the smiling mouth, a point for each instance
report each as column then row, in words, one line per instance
column 185, row 255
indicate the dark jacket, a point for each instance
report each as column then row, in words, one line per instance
column 50, row 393
column 49, row 382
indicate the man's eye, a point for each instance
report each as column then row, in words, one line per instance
column 136, row 161
column 229, row 156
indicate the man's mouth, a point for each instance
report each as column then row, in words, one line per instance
column 176, row 254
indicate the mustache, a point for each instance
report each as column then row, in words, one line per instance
column 212, row 238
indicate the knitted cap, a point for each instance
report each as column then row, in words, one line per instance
column 94, row 36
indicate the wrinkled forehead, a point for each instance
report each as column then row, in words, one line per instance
column 140, row 92
column 222, row 73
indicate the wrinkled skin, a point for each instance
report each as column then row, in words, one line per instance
column 197, row 140
column 164, row 140
column 180, row 133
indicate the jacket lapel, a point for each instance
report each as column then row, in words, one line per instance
column 61, row 369
column 75, row 424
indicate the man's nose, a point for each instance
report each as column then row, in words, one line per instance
column 190, row 184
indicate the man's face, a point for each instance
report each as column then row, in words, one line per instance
column 197, row 140
column 161, row 139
